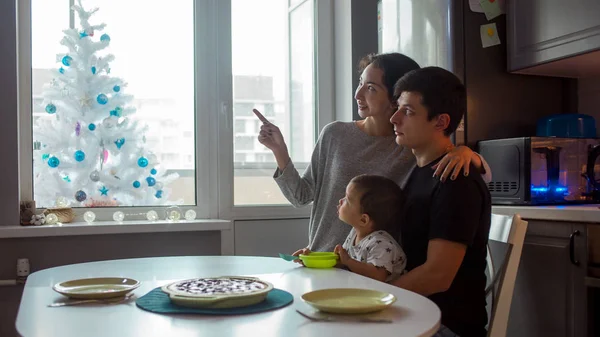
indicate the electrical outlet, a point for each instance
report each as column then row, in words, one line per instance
column 22, row 270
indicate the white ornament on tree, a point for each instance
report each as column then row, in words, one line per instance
column 85, row 101
column 95, row 176
column 61, row 202
column 109, row 123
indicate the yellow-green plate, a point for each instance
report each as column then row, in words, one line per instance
column 319, row 259
column 96, row 288
column 349, row 300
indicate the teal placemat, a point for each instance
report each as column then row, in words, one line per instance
column 159, row 302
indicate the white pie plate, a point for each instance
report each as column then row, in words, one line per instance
column 217, row 301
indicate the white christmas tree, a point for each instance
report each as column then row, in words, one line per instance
column 87, row 149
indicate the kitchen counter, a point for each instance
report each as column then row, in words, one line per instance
column 578, row 213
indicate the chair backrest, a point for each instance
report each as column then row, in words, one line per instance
column 507, row 231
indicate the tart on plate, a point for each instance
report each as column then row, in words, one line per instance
column 218, row 292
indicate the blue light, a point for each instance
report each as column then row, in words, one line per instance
column 539, row 189
column 549, row 190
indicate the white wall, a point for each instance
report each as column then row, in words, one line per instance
column 270, row 237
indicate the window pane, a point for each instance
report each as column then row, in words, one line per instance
column 302, row 83
column 294, row 3
column 114, row 132
column 262, row 70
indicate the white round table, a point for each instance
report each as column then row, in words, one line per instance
column 412, row 314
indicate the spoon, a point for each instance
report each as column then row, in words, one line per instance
column 288, row 257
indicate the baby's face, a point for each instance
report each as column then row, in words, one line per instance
column 349, row 206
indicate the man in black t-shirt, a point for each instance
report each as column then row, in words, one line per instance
column 446, row 225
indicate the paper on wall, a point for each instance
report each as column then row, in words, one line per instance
column 475, row 6
column 489, row 35
column 491, row 8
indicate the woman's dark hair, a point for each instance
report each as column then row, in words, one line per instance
column 393, row 65
column 382, row 199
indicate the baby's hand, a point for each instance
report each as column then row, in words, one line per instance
column 303, row 251
column 344, row 256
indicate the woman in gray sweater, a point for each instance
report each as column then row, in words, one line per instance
column 348, row 149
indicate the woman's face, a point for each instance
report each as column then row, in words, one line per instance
column 372, row 96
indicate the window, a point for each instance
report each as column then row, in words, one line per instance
column 245, row 144
column 194, row 71
column 240, row 126
column 91, row 149
column 278, row 81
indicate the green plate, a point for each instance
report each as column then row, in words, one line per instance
column 349, row 300
column 96, row 288
column 319, row 259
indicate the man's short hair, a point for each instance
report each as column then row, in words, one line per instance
column 441, row 93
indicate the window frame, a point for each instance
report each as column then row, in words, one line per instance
column 213, row 118
column 324, row 107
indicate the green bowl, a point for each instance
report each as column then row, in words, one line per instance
column 319, row 259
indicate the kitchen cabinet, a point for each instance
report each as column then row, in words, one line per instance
column 541, row 31
column 550, row 296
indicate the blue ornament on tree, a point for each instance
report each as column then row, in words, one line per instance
column 116, row 112
column 151, row 181
column 153, row 171
column 61, row 70
column 142, row 162
column 79, row 155
column 159, row 194
column 116, row 88
column 102, row 99
column 119, row 142
column 80, row 196
column 53, row 162
column 45, row 156
column 105, row 38
column 51, row 108
column 104, row 190
column 66, row 60
column 136, row 184
column 83, row 34
column 92, row 126
column 94, row 70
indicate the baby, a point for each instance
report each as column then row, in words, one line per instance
column 372, row 206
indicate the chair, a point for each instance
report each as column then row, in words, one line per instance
column 507, row 234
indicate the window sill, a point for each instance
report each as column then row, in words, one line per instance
column 112, row 227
